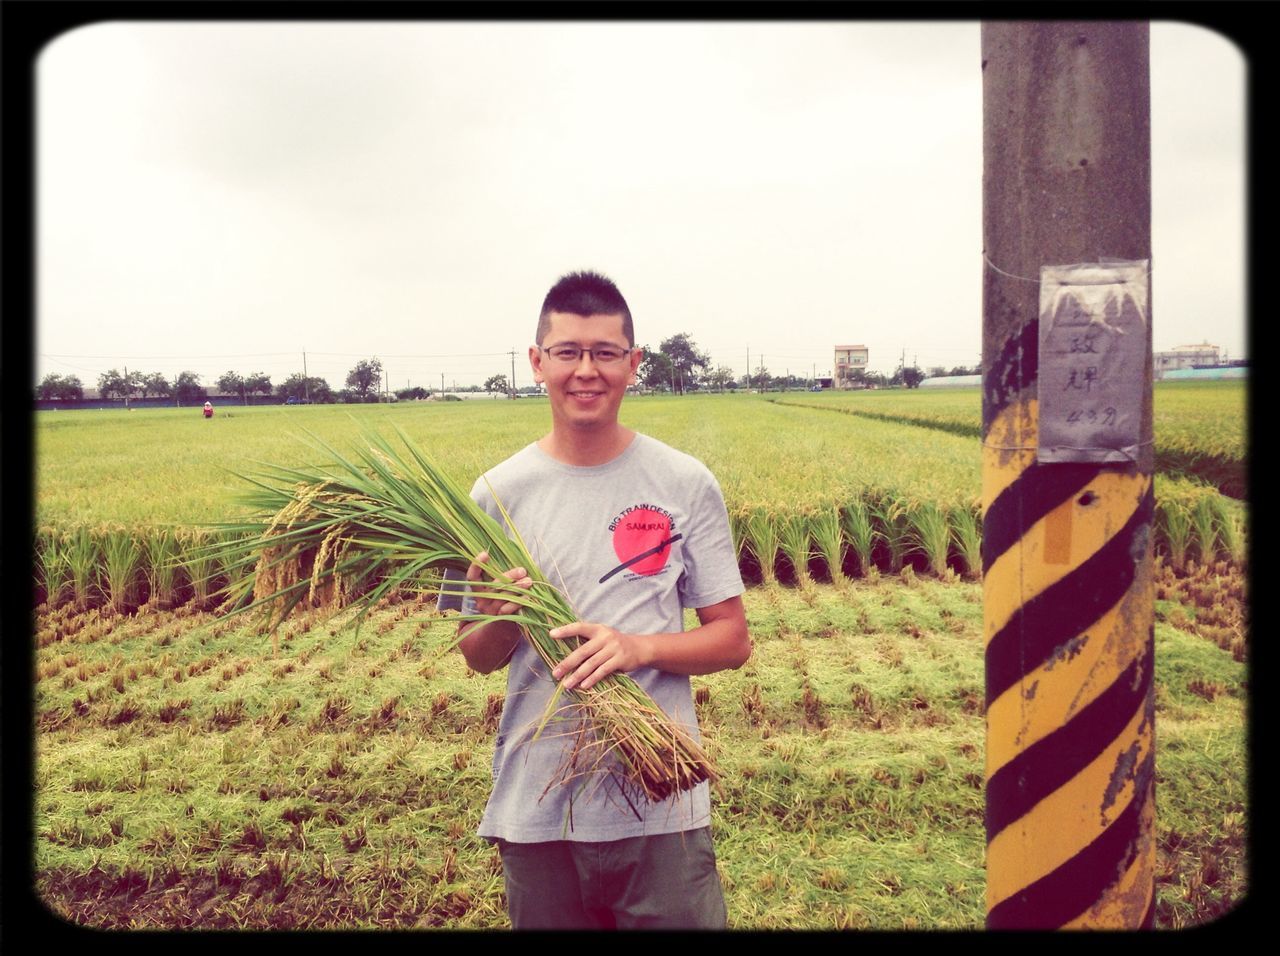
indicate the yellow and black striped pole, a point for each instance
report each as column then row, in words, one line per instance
column 1066, row 546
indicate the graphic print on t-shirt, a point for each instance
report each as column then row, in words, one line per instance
column 642, row 538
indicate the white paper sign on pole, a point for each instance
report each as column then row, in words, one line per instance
column 1093, row 345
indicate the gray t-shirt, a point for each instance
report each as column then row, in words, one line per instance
column 585, row 526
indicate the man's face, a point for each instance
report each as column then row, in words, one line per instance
column 585, row 394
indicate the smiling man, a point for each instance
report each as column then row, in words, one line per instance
column 634, row 532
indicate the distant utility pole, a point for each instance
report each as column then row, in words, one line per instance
column 306, row 382
column 1066, row 546
column 512, row 391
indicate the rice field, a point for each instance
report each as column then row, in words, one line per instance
column 124, row 500
column 188, row 777
column 1200, row 427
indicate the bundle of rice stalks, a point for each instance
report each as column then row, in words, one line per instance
column 794, row 540
column 893, row 515
column 121, row 563
column 161, row 567
column 200, row 555
column 829, row 538
column 1231, row 528
column 967, row 535
column 349, row 533
column 931, row 534
column 763, row 534
column 861, row 534
column 55, row 570
column 81, row 550
column 1176, row 523
column 1205, row 518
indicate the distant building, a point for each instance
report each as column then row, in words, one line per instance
column 951, row 381
column 1185, row 356
column 849, row 360
column 1232, row 371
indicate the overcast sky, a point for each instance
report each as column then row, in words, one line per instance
column 218, row 196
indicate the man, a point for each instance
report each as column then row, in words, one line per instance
column 634, row 532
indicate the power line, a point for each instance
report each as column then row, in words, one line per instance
column 167, row 358
column 243, row 355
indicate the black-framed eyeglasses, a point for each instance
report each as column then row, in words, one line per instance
column 601, row 354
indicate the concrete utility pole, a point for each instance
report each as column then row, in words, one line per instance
column 1066, row 550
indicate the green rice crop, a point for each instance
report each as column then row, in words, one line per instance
column 932, row 532
column 892, row 514
column 121, row 565
column 51, row 561
column 1206, row 518
column 1199, row 426
column 762, row 530
column 81, row 550
column 783, row 464
column 160, row 566
column 794, row 540
column 967, row 537
column 200, row 564
column 828, row 536
column 862, row 535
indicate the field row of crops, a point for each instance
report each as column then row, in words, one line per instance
column 1199, row 426
column 123, row 567
column 122, row 516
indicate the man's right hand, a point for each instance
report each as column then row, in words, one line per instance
column 476, row 574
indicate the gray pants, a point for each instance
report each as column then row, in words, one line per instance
column 668, row 881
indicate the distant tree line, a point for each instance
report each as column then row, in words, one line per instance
column 64, row 387
column 363, row 385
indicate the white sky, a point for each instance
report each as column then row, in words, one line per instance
column 216, row 196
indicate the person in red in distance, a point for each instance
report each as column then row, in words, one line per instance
column 634, row 532
column 208, row 409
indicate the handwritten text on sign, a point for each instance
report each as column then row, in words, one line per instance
column 1093, row 345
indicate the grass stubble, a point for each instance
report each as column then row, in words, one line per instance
column 185, row 777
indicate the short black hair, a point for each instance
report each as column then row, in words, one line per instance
column 585, row 293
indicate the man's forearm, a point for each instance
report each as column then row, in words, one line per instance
column 489, row 645
column 717, row 646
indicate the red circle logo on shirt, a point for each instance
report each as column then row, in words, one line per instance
column 639, row 531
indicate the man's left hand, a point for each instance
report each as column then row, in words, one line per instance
column 603, row 651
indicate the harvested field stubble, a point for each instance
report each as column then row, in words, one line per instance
column 249, row 794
